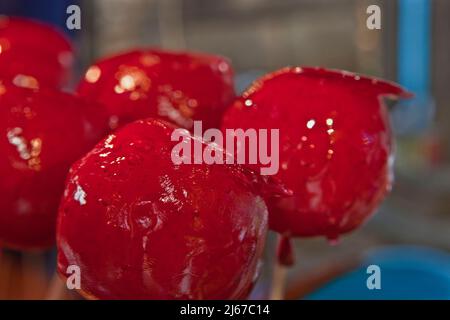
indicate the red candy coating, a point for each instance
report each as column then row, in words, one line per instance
column 335, row 145
column 42, row 133
column 178, row 87
column 141, row 227
column 34, row 49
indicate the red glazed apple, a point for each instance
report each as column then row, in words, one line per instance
column 335, row 145
column 140, row 227
column 34, row 49
column 178, row 87
column 42, row 133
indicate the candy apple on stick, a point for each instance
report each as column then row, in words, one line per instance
column 43, row 132
column 335, row 147
column 32, row 55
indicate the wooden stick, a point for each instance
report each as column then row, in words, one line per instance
column 278, row 281
column 34, row 278
column 10, row 279
column 5, row 274
column 57, row 289
column 284, row 258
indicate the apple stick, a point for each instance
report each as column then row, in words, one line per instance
column 33, row 273
column 57, row 289
column 10, row 278
column 284, row 258
column 5, row 275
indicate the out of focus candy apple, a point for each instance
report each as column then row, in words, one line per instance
column 177, row 87
column 35, row 50
column 42, row 133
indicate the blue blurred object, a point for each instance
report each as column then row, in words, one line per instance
column 245, row 79
column 50, row 11
column 414, row 43
column 407, row 273
column 414, row 65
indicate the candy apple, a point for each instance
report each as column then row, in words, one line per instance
column 178, row 87
column 43, row 132
column 335, row 145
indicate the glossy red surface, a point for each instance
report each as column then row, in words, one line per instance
column 140, row 227
column 34, row 49
column 335, row 145
column 42, row 133
column 178, row 87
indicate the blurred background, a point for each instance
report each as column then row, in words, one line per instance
column 411, row 232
